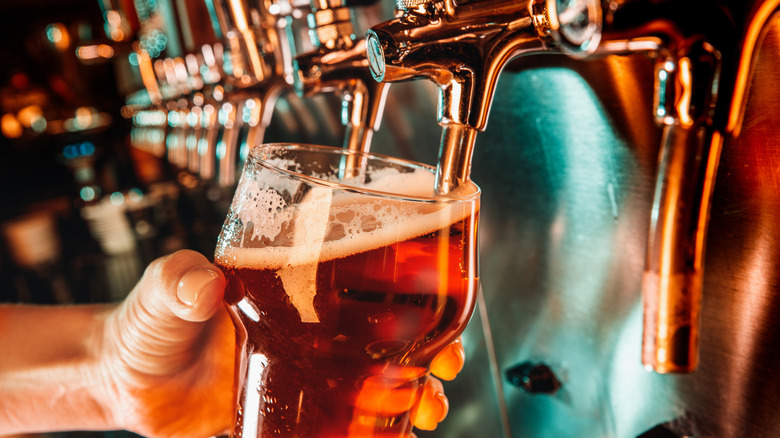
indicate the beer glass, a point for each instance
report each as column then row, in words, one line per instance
column 342, row 286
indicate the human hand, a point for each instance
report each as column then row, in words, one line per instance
column 168, row 351
column 390, row 394
column 434, row 405
column 169, row 348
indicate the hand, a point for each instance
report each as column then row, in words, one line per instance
column 434, row 405
column 168, row 355
column 168, row 351
column 390, row 394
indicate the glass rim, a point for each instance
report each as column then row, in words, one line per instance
column 254, row 153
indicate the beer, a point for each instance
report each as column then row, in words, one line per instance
column 341, row 300
column 384, row 310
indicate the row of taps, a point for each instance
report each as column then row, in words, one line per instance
column 703, row 52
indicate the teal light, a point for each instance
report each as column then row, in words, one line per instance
column 214, row 20
column 117, row 198
column 227, row 63
column 53, row 33
column 174, row 119
column 191, row 142
column 87, row 193
column 221, row 150
column 39, row 125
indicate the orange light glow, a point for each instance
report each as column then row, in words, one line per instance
column 58, row 34
column 10, row 126
column 95, row 51
column 115, row 26
column 29, row 114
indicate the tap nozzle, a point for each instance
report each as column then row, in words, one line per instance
column 463, row 48
column 338, row 64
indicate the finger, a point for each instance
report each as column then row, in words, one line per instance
column 185, row 284
column 389, row 393
column 433, row 406
column 449, row 362
column 158, row 325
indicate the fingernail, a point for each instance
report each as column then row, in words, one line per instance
column 432, row 411
column 192, row 283
column 448, row 363
column 444, row 405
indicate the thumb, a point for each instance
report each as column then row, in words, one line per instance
column 185, row 285
column 157, row 325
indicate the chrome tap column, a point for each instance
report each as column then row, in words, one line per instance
column 463, row 49
column 338, row 64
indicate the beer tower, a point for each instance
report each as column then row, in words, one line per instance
column 463, row 50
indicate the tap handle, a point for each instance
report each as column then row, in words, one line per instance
column 672, row 283
column 673, row 278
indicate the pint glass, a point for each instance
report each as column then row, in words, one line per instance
column 342, row 289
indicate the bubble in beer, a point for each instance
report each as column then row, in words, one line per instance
column 386, row 347
column 383, row 317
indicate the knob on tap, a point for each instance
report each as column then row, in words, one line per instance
column 463, row 48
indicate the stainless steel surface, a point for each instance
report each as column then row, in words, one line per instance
column 567, row 196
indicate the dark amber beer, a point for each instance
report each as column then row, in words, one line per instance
column 341, row 300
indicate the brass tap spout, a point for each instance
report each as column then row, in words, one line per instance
column 345, row 71
column 338, row 64
column 463, row 48
column 260, row 72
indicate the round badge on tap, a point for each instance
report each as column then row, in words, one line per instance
column 575, row 25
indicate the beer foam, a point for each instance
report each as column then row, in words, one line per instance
column 347, row 223
column 326, row 224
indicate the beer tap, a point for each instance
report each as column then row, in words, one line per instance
column 171, row 78
column 260, row 74
column 339, row 64
column 704, row 53
column 463, row 47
